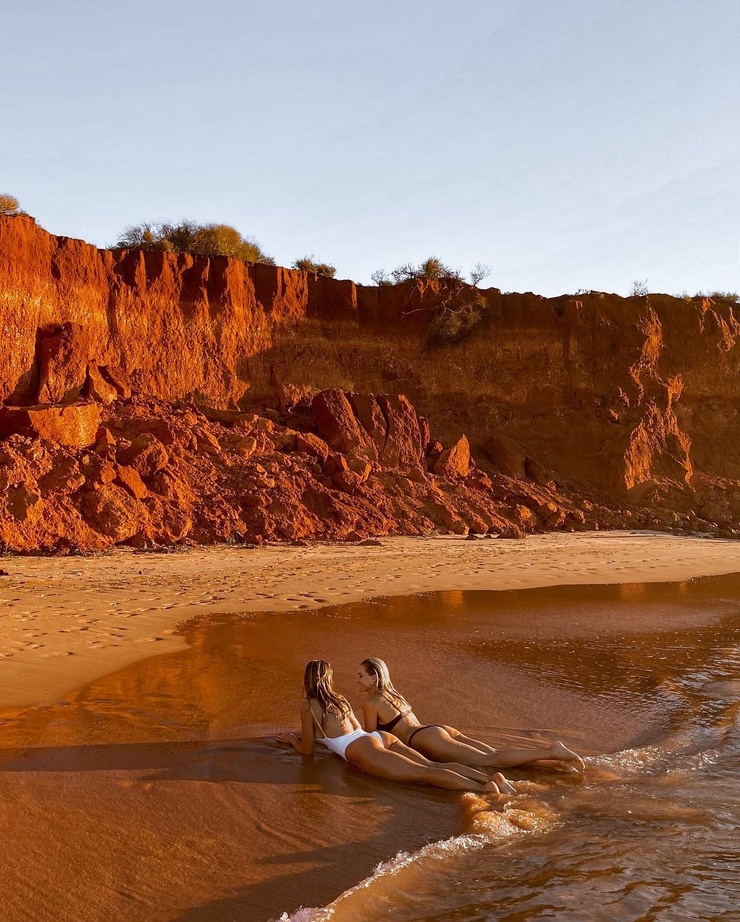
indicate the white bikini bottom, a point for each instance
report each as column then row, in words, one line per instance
column 338, row 744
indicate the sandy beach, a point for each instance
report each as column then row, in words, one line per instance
column 66, row 621
column 151, row 788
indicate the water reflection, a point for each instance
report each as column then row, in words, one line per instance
column 461, row 658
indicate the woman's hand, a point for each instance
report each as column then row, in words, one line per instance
column 292, row 739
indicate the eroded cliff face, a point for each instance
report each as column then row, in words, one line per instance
column 629, row 403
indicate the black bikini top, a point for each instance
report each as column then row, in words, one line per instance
column 392, row 723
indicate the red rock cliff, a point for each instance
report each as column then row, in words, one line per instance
column 634, row 397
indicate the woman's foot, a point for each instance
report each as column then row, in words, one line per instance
column 490, row 787
column 563, row 754
column 502, row 784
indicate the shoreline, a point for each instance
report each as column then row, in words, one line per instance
column 67, row 621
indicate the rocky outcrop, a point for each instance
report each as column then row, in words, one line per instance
column 157, row 475
column 631, row 404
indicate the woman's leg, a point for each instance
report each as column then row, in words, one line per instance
column 469, row 741
column 513, row 756
column 449, row 744
column 372, row 757
column 395, row 745
column 438, row 743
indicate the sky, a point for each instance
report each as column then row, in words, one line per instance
column 566, row 144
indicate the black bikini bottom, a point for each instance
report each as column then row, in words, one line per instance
column 418, row 730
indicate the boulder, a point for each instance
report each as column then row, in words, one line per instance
column 130, row 478
column 311, row 444
column 454, row 462
column 539, row 473
column 147, row 454
column 97, row 470
column 406, row 438
column 112, row 512
column 362, row 468
column 97, row 387
column 525, row 518
column 21, row 500
column 549, row 513
column 75, row 425
column 165, row 430
column 367, row 410
column 62, row 360
column 118, row 378
column 105, row 442
column 346, row 481
column 246, row 447
column 64, row 478
column 433, row 450
column 335, row 464
column 506, row 455
column 206, row 441
column 337, row 424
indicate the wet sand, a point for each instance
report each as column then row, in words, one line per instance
column 159, row 793
column 67, row 621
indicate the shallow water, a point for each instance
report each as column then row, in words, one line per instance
column 160, row 793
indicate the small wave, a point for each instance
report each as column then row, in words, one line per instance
column 408, row 872
column 710, row 734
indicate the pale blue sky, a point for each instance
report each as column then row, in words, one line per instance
column 566, row 143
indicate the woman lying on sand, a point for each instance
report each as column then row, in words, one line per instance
column 326, row 717
column 387, row 710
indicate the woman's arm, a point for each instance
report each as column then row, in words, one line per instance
column 305, row 742
column 370, row 716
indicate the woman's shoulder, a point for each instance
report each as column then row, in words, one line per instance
column 306, row 705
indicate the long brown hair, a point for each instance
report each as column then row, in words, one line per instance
column 317, row 683
column 379, row 671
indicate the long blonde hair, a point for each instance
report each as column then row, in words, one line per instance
column 379, row 671
column 317, row 683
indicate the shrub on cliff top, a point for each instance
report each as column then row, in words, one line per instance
column 309, row 264
column 728, row 297
column 199, row 239
column 9, row 205
column 430, row 269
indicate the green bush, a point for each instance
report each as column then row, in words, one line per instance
column 199, row 239
column 309, row 264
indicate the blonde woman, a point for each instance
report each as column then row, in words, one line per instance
column 327, row 718
column 386, row 709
